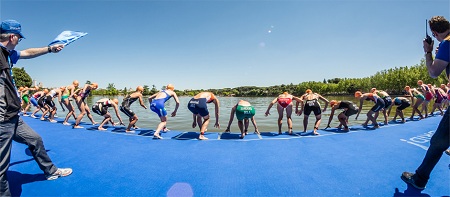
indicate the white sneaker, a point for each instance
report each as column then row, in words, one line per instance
column 61, row 172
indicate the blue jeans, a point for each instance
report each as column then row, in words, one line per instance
column 17, row 130
column 438, row 144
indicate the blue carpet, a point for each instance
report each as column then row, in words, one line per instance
column 361, row 162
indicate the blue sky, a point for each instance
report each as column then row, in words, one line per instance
column 219, row 44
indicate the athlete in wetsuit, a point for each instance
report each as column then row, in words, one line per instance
column 27, row 91
column 284, row 101
column 50, row 105
column 125, row 107
column 67, row 95
column 387, row 103
column 40, row 101
column 426, row 91
column 379, row 105
column 244, row 111
column 157, row 102
column 101, row 108
column 311, row 104
column 348, row 107
column 401, row 103
column 198, row 107
column 82, row 106
column 440, row 96
column 414, row 93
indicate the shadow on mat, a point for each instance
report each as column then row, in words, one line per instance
column 335, row 130
column 27, row 152
column 230, row 136
column 307, row 133
column 410, row 191
column 190, row 135
column 95, row 128
column 17, row 179
column 274, row 134
column 147, row 132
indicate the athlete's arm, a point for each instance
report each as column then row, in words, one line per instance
column 177, row 104
column 233, row 110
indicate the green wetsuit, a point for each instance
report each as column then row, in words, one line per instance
column 244, row 112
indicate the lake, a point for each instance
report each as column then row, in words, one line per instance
column 183, row 120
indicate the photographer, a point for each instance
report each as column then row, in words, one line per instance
column 440, row 141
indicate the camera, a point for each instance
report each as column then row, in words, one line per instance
column 427, row 37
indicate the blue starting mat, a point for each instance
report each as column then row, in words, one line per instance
column 361, row 162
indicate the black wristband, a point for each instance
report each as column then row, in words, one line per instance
column 49, row 49
column 428, row 52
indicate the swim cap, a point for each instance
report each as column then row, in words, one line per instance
column 140, row 88
column 333, row 102
column 358, row 94
column 397, row 101
column 45, row 91
column 95, row 85
column 308, row 91
column 170, row 87
column 116, row 101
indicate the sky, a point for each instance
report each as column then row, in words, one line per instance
column 209, row 44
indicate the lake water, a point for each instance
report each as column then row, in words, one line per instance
column 183, row 120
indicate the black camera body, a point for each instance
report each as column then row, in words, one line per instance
column 427, row 37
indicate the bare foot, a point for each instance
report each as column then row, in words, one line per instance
column 101, row 129
column 157, row 137
column 202, row 137
column 78, row 127
column 130, row 131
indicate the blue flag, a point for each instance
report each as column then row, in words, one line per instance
column 67, row 37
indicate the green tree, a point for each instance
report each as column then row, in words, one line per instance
column 111, row 89
column 146, row 90
column 21, row 77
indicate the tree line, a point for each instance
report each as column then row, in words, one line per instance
column 391, row 80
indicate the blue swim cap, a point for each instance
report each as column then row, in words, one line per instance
column 397, row 101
